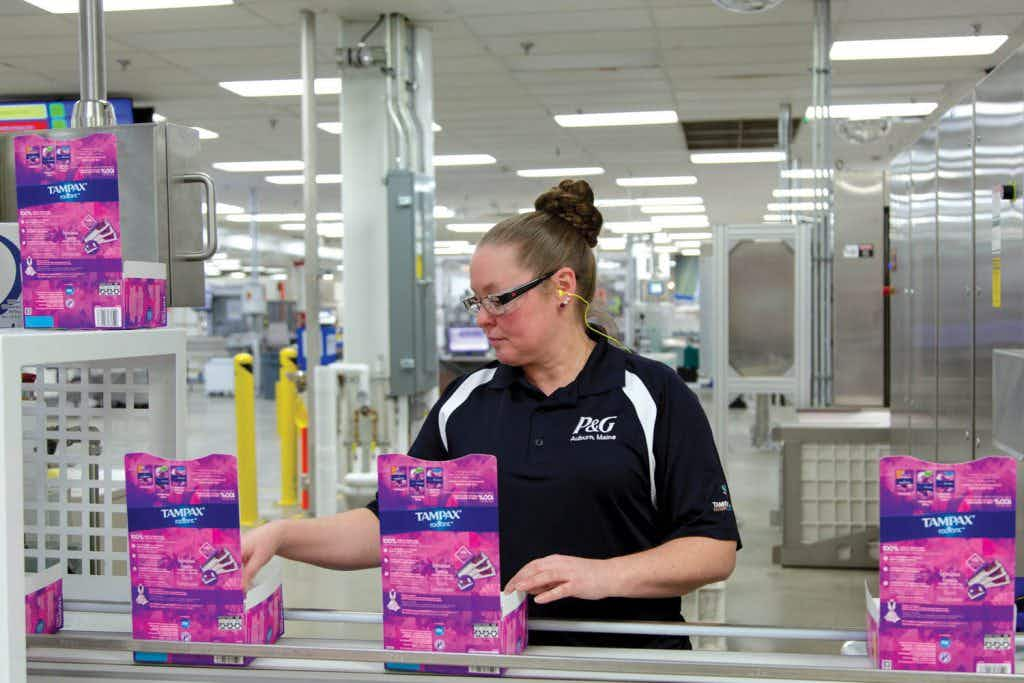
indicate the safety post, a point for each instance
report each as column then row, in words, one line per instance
column 302, row 425
column 286, row 398
column 245, row 424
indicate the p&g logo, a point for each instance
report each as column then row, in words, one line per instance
column 594, row 429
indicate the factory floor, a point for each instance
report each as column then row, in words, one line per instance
column 758, row 593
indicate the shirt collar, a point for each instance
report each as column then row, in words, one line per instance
column 604, row 371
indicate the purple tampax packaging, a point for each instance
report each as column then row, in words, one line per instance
column 440, row 561
column 73, row 273
column 946, row 566
column 185, row 560
column 44, row 600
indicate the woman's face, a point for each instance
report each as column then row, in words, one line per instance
column 524, row 331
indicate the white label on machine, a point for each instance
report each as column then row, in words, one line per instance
column 851, row 251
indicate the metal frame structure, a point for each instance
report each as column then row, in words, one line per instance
column 726, row 382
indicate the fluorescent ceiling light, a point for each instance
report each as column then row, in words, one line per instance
column 559, row 172
column 441, row 211
column 280, row 277
column 321, row 179
column 206, row 133
column 464, row 160
column 648, row 201
column 611, row 243
column 470, row 227
column 223, row 208
column 330, row 216
column 691, row 235
column 681, row 221
column 662, row 238
column 688, row 244
column 916, row 48
column 336, row 253
column 796, row 206
column 657, row 181
column 155, row 118
column 266, row 217
column 330, row 229
column 607, row 264
column 690, row 252
column 281, row 87
column 862, row 112
column 334, row 127
column 258, row 166
column 668, row 201
column 751, row 157
column 623, row 118
column 805, row 173
column 71, row 6
column 450, row 244
column 673, row 208
column 237, row 275
column 436, row 127
column 665, row 249
column 531, row 210
column 211, row 270
column 219, row 256
column 293, row 227
column 243, row 242
column 777, row 218
column 807, row 192
column 632, row 227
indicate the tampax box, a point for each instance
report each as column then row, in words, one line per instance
column 69, row 223
column 44, row 600
column 185, row 559
column 946, row 565
column 440, row 564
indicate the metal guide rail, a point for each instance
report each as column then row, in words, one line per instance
column 106, row 656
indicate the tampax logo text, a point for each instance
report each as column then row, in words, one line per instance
column 184, row 516
column 67, row 191
column 439, row 519
column 948, row 525
column 594, row 429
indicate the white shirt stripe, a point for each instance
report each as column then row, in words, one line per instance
column 477, row 379
column 647, row 412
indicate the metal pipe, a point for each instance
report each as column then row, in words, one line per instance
column 397, row 154
column 413, row 87
column 311, row 272
column 403, row 91
column 92, row 109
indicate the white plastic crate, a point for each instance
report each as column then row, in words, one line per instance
column 839, row 489
column 706, row 605
column 87, row 398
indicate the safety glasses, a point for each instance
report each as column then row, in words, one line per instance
column 497, row 304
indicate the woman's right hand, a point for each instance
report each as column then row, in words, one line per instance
column 258, row 547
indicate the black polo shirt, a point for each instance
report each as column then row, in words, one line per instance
column 619, row 461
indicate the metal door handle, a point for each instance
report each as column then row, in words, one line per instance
column 211, row 216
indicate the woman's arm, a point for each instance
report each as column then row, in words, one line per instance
column 671, row 569
column 348, row 540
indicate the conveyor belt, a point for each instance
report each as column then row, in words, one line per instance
column 104, row 656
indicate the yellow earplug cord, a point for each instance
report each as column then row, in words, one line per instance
column 586, row 321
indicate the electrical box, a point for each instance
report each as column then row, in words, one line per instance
column 412, row 308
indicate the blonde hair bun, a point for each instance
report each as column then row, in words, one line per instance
column 573, row 202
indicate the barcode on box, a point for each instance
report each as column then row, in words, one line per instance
column 227, row 659
column 992, row 668
column 108, row 316
column 489, row 670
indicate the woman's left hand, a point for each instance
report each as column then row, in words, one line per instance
column 559, row 576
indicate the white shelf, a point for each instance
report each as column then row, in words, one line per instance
column 95, row 396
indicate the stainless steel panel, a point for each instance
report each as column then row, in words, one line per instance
column 923, row 297
column 954, row 281
column 858, row 274
column 1008, row 401
column 761, row 281
column 999, row 157
column 900, row 265
column 186, row 279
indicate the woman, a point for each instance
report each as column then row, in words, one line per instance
column 613, row 502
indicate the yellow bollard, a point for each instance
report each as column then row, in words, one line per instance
column 286, row 395
column 245, row 423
